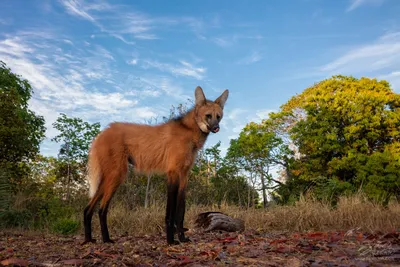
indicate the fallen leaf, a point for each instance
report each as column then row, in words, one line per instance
column 15, row 261
column 74, row 262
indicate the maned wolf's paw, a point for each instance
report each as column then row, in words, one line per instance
column 109, row 241
column 173, row 242
column 182, row 238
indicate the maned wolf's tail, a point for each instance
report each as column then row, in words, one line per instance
column 93, row 173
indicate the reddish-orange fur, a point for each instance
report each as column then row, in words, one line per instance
column 169, row 148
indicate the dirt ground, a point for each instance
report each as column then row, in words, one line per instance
column 351, row 248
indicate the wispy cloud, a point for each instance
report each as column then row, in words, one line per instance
column 380, row 55
column 124, row 23
column 67, row 80
column 229, row 40
column 164, row 84
column 77, row 8
column 133, row 61
column 393, row 78
column 264, row 113
column 235, row 114
column 184, row 68
column 221, row 41
column 379, row 58
column 4, row 21
column 252, row 58
column 354, row 4
column 116, row 20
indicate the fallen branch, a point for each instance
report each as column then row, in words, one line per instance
column 215, row 221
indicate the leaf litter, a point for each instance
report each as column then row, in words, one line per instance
column 250, row 248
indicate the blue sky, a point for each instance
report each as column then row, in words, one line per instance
column 131, row 60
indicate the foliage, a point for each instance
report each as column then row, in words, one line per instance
column 336, row 138
column 347, row 132
column 75, row 136
column 66, row 226
column 21, row 130
column 257, row 150
column 5, row 190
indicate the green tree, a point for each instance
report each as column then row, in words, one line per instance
column 347, row 132
column 262, row 150
column 75, row 136
column 21, row 130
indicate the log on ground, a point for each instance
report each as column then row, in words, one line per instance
column 218, row 221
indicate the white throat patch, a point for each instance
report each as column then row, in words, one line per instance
column 203, row 127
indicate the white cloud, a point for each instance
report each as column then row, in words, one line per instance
column 48, row 113
column 122, row 21
column 5, row 21
column 133, row 61
column 234, row 113
column 182, row 69
column 229, row 40
column 101, row 51
column 76, row 8
column 145, row 36
column 64, row 82
column 393, row 78
column 354, row 4
column 264, row 114
column 252, row 58
column 145, row 93
column 144, row 113
column 222, row 41
column 68, row 42
column 381, row 56
column 13, row 47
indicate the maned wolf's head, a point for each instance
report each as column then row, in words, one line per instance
column 209, row 113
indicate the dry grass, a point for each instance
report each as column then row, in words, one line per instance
column 306, row 215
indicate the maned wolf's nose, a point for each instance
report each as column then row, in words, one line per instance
column 215, row 129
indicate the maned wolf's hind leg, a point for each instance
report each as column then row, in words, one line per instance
column 110, row 186
column 87, row 218
column 103, row 221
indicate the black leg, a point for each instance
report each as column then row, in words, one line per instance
column 87, row 221
column 171, row 213
column 103, row 223
column 180, row 215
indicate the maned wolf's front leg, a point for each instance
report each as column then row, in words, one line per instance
column 180, row 210
column 171, row 210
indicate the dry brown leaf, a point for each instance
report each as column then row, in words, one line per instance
column 15, row 262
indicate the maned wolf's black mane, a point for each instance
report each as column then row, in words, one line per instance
column 179, row 118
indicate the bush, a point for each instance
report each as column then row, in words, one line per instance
column 15, row 218
column 66, row 226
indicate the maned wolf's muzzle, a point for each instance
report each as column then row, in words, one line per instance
column 215, row 128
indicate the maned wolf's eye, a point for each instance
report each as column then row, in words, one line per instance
column 208, row 116
column 218, row 117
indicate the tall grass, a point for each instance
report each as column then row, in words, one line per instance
column 305, row 215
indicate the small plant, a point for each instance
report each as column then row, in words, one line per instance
column 66, row 226
column 15, row 218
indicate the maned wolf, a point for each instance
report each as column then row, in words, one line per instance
column 169, row 148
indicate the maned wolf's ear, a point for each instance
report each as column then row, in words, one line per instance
column 199, row 95
column 222, row 98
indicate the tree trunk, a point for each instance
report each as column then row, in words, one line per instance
column 248, row 192
column 68, row 183
column 146, row 199
column 263, row 187
column 238, row 189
